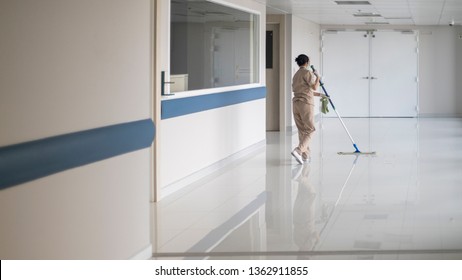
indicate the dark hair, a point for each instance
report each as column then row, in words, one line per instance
column 302, row 59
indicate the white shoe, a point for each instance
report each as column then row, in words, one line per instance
column 297, row 156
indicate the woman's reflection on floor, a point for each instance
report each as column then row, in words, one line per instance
column 305, row 234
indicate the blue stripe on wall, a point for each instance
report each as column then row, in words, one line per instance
column 183, row 106
column 28, row 161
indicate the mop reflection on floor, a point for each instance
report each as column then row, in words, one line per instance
column 329, row 216
column 305, row 234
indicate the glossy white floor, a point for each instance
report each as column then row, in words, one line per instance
column 403, row 203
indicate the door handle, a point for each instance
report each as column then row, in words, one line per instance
column 374, row 78
column 367, row 78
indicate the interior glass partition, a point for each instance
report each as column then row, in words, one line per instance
column 211, row 46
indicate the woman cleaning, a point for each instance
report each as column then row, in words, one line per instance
column 304, row 86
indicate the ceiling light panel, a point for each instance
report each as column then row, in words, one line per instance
column 377, row 22
column 360, row 14
column 352, row 2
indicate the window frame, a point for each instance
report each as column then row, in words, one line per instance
column 258, row 50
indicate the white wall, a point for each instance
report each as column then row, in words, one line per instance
column 440, row 56
column 305, row 40
column 440, row 71
column 66, row 66
column 196, row 141
column 190, row 143
column 301, row 37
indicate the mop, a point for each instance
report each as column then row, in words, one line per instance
column 357, row 151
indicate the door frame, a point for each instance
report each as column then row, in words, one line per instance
column 285, row 100
column 160, row 30
column 276, row 27
column 370, row 33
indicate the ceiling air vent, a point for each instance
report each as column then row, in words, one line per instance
column 352, row 2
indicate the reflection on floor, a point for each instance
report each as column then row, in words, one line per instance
column 403, row 203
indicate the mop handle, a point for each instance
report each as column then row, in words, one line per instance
column 325, row 91
column 338, row 115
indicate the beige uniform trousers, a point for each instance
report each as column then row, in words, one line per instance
column 304, row 119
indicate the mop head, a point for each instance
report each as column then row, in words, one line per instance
column 357, row 153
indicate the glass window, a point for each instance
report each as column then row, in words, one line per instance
column 212, row 46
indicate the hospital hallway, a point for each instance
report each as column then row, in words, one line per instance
column 403, row 203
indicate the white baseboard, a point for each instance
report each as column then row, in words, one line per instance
column 144, row 254
column 174, row 187
column 440, row 115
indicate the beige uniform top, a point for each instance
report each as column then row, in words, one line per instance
column 302, row 86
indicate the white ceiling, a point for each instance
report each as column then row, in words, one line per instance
column 395, row 12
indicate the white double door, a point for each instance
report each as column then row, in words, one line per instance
column 371, row 73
